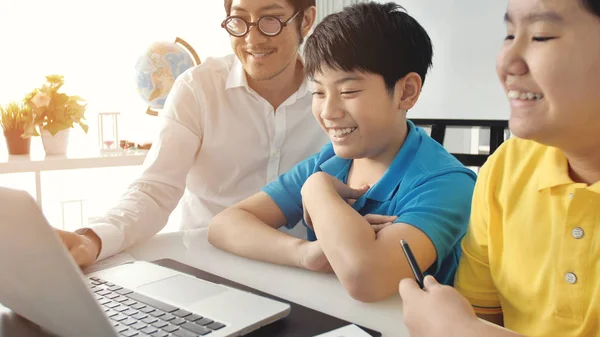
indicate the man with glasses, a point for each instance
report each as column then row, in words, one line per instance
column 229, row 126
column 268, row 25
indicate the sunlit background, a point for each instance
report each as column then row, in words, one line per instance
column 95, row 45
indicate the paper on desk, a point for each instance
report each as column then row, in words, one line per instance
column 109, row 262
column 347, row 331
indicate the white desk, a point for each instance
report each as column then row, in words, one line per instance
column 317, row 291
column 38, row 162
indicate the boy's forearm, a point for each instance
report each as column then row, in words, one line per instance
column 337, row 224
column 344, row 234
column 241, row 233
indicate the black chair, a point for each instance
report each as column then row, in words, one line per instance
column 438, row 132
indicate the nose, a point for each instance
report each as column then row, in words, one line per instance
column 330, row 109
column 255, row 37
column 511, row 61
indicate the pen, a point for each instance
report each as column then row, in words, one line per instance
column 412, row 262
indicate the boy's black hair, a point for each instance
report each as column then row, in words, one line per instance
column 593, row 6
column 373, row 38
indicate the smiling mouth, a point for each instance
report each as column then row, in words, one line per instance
column 260, row 55
column 524, row 95
column 341, row 133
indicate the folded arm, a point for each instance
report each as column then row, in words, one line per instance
column 369, row 265
column 432, row 217
column 250, row 229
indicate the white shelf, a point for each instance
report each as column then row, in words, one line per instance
column 36, row 162
column 78, row 158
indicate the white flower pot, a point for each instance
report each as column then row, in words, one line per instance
column 57, row 144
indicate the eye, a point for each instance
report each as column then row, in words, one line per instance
column 543, row 38
column 318, row 94
column 509, row 38
column 350, row 92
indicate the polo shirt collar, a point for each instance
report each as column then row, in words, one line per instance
column 384, row 189
column 553, row 169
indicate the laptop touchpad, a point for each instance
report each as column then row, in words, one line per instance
column 181, row 289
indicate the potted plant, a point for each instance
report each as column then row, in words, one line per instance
column 13, row 118
column 54, row 114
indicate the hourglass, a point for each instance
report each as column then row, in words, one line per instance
column 108, row 132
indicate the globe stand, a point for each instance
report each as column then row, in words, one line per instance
column 151, row 112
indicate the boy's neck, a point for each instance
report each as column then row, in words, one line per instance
column 280, row 87
column 367, row 171
column 584, row 165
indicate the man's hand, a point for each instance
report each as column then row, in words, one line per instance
column 379, row 222
column 313, row 257
column 84, row 248
column 321, row 181
column 437, row 310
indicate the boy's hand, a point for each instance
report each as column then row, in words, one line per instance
column 379, row 222
column 313, row 257
column 437, row 310
column 322, row 181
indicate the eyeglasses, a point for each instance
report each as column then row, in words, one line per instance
column 267, row 25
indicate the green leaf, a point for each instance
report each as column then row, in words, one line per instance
column 84, row 127
column 53, row 128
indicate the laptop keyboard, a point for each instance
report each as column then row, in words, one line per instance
column 136, row 315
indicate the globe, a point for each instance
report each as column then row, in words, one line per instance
column 157, row 69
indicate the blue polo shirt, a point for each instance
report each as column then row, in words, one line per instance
column 424, row 186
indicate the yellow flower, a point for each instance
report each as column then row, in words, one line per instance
column 41, row 100
column 52, row 110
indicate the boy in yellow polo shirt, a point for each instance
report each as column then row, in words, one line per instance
column 531, row 257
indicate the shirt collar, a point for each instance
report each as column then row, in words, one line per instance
column 553, row 169
column 237, row 79
column 237, row 75
column 384, row 189
column 595, row 188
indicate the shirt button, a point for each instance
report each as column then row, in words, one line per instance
column 275, row 154
column 571, row 196
column 571, row 278
column 577, row 233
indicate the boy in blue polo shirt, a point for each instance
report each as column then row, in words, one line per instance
column 368, row 64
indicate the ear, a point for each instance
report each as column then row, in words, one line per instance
column 408, row 90
column 310, row 15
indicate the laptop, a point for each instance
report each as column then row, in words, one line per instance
column 40, row 281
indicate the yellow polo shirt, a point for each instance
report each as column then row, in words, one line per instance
column 532, row 250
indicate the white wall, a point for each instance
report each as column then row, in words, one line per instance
column 326, row 7
column 466, row 35
column 95, row 45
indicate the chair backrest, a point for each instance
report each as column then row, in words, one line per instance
column 438, row 132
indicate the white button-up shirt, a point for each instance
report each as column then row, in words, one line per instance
column 219, row 142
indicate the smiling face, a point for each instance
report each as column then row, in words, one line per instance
column 361, row 116
column 549, row 66
column 264, row 57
